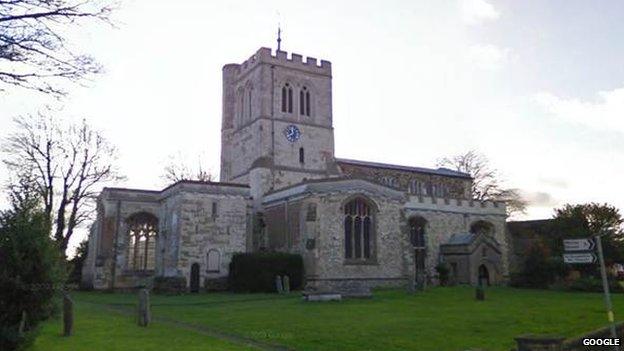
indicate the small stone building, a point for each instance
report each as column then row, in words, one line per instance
column 357, row 224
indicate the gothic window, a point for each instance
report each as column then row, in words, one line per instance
column 142, row 234
column 359, row 229
column 213, row 261
column 482, row 227
column 415, row 187
column 389, row 181
column 249, row 104
column 417, row 227
column 287, row 98
column 240, row 110
column 214, row 210
column 304, row 102
column 301, row 155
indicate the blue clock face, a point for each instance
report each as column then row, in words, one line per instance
column 292, row 133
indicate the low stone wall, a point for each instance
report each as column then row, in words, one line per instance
column 576, row 344
column 558, row 343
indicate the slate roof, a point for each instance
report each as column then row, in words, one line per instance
column 439, row 171
column 461, row 239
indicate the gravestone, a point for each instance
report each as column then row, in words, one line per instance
column 539, row 343
column 286, row 283
column 480, row 293
column 22, row 325
column 68, row 315
column 411, row 284
column 144, row 308
column 278, row 284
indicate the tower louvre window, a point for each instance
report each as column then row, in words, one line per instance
column 304, row 102
column 287, row 98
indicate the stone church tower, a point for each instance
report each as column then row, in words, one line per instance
column 277, row 121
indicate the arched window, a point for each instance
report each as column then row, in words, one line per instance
column 359, row 229
column 390, row 181
column 249, row 103
column 213, row 261
column 482, row 227
column 417, row 231
column 287, row 98
column 304, row 101
column 240, row 109
column 142, row 234
column 415, row 187
column 301, row 155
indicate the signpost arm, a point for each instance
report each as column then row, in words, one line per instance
column 605, row 286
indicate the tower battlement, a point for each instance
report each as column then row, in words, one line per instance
column 281, row 58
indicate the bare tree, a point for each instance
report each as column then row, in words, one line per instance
column 34, row 52
column 64, row 164
column 486, row 183
column 177, row 170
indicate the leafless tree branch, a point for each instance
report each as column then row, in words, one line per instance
column 486, row 183
column 33, row 54
column 64, row 164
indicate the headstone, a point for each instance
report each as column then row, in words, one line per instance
column 144, row 308
column 68, row 315
column 480, row 293
column 539, row 343
column 411, row 284
column 22, row 325
column 286, row 283
column 278, row 284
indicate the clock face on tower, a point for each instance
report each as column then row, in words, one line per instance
column 292, row 133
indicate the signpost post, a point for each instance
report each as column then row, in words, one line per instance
column 579, row 251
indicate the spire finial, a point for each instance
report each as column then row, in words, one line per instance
column 279, row 36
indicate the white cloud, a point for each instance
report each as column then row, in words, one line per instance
column 477, row 11
column 606, row 112
column 487, row 56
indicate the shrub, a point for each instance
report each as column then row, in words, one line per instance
column 443, row 273
column 169, row 285
column 594, row 284
column 256, row 272
column 539, row 270
column 30, row 273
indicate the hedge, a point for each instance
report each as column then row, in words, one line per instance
column 256, row 272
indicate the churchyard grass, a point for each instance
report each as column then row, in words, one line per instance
column 437, row 319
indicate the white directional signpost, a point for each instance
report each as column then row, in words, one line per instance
column 580, row 251
column 579, row 244
column 582, row 257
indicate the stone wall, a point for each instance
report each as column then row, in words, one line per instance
column 446, row 217
column 456, row 187
column 202, row 233
column 187, row 231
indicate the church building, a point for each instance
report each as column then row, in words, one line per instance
column 357, row 224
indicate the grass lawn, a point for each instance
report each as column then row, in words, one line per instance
column 438, row 319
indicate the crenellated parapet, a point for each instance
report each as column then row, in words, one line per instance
column 463, row 206
column 281, row 58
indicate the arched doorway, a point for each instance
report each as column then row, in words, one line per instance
column 195, row 277
column 484, row 276
column 417, row 238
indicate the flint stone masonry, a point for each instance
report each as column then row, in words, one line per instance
column 187, row 230
column 288, row 195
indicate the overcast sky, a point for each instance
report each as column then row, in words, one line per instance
column 537, row 86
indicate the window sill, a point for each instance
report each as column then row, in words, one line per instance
column 360, row 262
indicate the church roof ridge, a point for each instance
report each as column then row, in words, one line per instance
column 439, row 171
